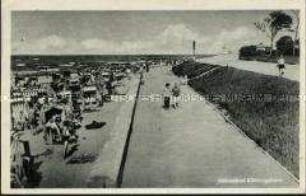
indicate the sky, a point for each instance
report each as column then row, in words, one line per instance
column 134, row 32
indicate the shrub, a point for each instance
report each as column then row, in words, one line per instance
column 247, row 52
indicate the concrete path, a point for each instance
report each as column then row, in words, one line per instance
column 292, row 72
column 192, row 146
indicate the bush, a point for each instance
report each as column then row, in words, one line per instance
column 192, row 68
column 247, row 53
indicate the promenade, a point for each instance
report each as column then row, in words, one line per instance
column 192, row 146
column 292, row 72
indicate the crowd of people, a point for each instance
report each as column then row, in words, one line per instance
column 55, row 108
column 53, row 111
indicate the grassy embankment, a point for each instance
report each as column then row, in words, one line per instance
column 256, row 103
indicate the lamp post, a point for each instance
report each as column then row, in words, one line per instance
column 193, row 49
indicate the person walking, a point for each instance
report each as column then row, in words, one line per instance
column 128, row 73
column 141, row 73
column 109, row 87
column 101, row 91
column 104, row 92
column 147, row 67
column 185, row 80
column 281, row 65
column 176, row 93
column 166, row 96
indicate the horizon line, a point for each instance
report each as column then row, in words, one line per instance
column 104, row 54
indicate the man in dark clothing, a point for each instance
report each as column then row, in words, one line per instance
column 147, row 67
column 109, row 87
column 167, row 95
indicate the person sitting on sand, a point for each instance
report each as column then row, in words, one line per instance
column 69, row 131
column 52, row 126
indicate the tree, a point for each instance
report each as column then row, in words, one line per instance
column 285, row 45
column 274, row 23
column 296, row 31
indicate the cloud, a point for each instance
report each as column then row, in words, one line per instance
column 237, row 34
column 93, row 43
column 179, row 34
column 50, row 43
column 102, row 46
column 174, row 39
column 232, row 40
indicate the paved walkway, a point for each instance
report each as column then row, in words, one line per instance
column 291, row 72
column 192, row 146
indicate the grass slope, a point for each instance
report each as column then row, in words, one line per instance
column 258, row 104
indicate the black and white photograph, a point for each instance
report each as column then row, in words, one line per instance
column 165, row 99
